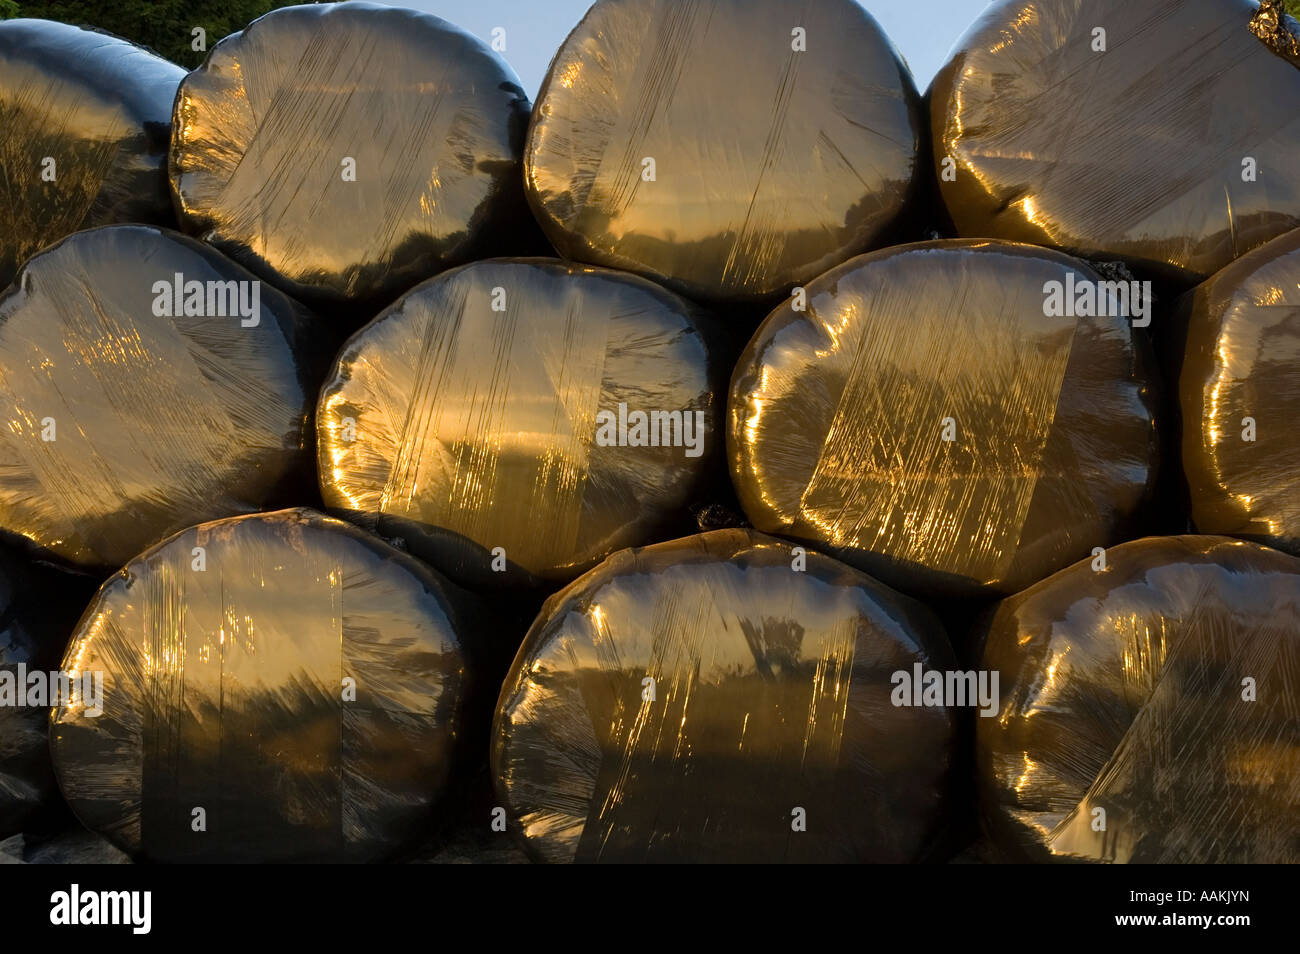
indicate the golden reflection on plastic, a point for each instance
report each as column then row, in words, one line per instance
column 1125, row 734
column 226, row 688
column 770, row 163
column 837, row 416
column 124, row 426
column 678, row 701
column 1026, row 109
column 83, row 135
column 1243, row 344
column 432, row 119
column 477, row 428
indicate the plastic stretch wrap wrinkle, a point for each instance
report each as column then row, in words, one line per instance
column 461, row 428
column 99, row 109
column 432, row 119
column 680, row 701
column 122, row 426
column 837, row 418
column 1123, row 690
column 1134, row 152
column 771, row 164
column 1239, row 380
column 224, row 689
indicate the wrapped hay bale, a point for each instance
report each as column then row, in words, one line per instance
column 84, row 125
column 276, row 687
column 726, row 149
column 1160, row 132
column 724, row 697
column 347, row 151
column 516, row 421
column 148, row 384
column 1149, row 712
column 1241, row 397
column 929, row 415
column 38, row 608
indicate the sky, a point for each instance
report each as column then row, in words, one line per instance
column 923, row 30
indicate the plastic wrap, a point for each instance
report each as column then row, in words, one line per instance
column 347, row 151
column 72, row 847
column 925, row 420
column 713, row 699
column 729, row 148
column 297, row 680
column 1149, row 711
column 84, row 124
column 1280, row 32
column 123, row 425
column 1241, row 397
column 34, row 625
column 1168, row 139
column 480, row 419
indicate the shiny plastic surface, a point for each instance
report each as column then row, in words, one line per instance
column 1138, row 151
column 473, row 415
column 699, row 700
column 1149, row 710
column 1241, row 397
column 226, row 688
column 1279, row 31
column 771, row 162
column 84, row 125
column 122, row 426
column 427, row 121
column 924, row 420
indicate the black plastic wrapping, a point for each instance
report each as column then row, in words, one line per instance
column 122, row 425
column 1149, row 709
column 784, row 139
column 924, row 419
column 225, row 689
column 1141, row 151
column 479, row 435
column 432, row 119
column 1241, row 397
column 682, row 701
column 84, row 124
column 38, row 608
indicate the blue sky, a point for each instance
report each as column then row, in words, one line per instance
column 924, row 30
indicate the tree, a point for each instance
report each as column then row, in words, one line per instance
column 166, row 27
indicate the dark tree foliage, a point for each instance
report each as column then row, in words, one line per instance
column 1292, row 7
column 165, row 26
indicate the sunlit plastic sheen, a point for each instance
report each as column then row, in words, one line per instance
column 1161, row 132
column 727, row 148
column 925, row 420
column 348, row 151
column 121, row 426
column 1149, row 711
column 1240, row 393
column 84, row 125
column 297, row 680
column 467, row 419
column 716, row 699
